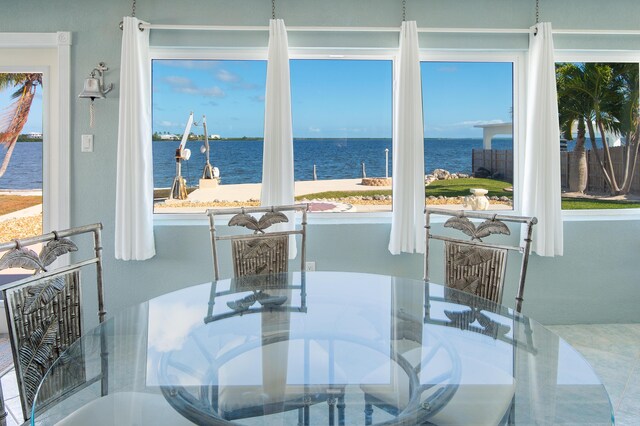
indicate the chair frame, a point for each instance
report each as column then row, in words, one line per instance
column 525, row 249
column 21, row 258
column 212, row 213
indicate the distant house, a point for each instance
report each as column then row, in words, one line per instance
column 215, row 137
column 169, row 138
column 34, row 135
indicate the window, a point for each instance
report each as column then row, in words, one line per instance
column 46, row 169
column 342, row 126
column 468, row 127
column 21, row 154
column 598, row 110
column 230, row 93
column 342, row 120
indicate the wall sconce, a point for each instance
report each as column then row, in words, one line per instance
column 94, row 88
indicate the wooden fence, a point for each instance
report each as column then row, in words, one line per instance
column 498, row 161
column 595, row 180
column 501, row 161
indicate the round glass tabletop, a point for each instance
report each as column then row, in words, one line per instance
column 320, row 348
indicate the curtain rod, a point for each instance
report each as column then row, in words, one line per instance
column 383, row 29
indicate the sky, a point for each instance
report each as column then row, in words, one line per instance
column 329, row 98
column 34, row 122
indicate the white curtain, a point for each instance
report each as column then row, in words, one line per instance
column 134, row 186
column 541, row 185
column 407, row 220
column 277, row 162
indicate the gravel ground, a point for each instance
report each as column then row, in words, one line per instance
column 20, row 227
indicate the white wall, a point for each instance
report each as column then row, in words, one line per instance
column 596, row 281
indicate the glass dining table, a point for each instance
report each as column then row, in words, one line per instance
column 320, row 348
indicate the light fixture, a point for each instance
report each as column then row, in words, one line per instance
column 94, row 88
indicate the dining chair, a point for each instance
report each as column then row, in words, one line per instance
column 258, row 249
column 474, row 265
column 44, row 310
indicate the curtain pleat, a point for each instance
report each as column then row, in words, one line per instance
column 277, row 162
column 134, row 186
column 407, row 220
column 540, row 193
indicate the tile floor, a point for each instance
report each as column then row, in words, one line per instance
column 612, row 349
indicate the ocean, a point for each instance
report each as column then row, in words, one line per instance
column 241, row 161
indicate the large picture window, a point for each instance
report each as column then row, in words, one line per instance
column 598, row 109
column 469, row 139
column 230, row 94
column 342, row 127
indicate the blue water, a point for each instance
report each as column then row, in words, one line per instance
column 25, row 166
column 241, row 161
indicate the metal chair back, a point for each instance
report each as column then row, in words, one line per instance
column 43, row 311
column 474, row 265
column 265, row 251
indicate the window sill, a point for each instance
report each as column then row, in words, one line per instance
column 191, row 219
column 597, row 215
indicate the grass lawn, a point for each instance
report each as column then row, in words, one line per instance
column 586, row 204
column 12, row 203
column 343, row 194
column 460, row 187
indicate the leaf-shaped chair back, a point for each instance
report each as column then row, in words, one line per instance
column 475, row 269
column 44, row 310
column 260, row 256
column 266, row 250
column 45, row 318
column 474, row 263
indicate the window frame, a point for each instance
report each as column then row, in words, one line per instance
column 629, row 56
column 518, row 61
column 56, row 146
column 171, row 53
column 517, row 57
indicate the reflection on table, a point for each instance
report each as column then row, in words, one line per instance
column 325, row 348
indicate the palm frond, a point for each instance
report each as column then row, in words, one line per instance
column 43, row 293
column 490, row 227
column 55, row 249
column 472, row 256
column 23, row 257
column 35, row 355
column 12, row 121
column 461, row 223
column 245, row 220
column 271, row 218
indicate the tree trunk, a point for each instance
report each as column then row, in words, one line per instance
column 614, row 189
column 578, row 164
column 7, row 157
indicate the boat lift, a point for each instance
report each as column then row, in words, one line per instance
column 209, row 174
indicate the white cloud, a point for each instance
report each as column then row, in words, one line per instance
column 167, row 123
column 178, row 81
column 257, row 98
column 213, row 92
column 227, row 76
column 187, row 86
column 314, row 129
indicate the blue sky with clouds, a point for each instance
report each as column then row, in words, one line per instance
column 330, row 98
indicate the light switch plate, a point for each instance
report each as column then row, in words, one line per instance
column 87, row 143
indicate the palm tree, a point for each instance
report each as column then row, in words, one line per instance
column 14, row 118
column 601, row 99
column 573, row 106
